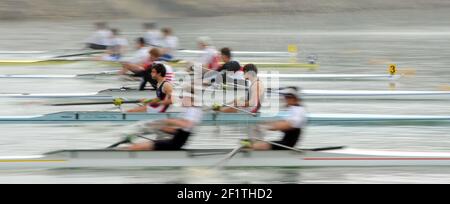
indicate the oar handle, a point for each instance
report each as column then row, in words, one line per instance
column 114, row 102
column 126, row 140
column 280, row 145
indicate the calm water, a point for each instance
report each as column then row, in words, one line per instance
column 353, row 43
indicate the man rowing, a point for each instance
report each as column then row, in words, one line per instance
column 169, row 44
column 254, row 96
column 164, row 91
column 230, row 65
column 141, row 55
column 117, row 47
column 144, row 69
column 99, row 40
column 152, row 35
column 291, row 126
column 209, row 58
column 230, row 69
column 180, row 128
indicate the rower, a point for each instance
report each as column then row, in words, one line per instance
column 164, row 91
column 152, row 35
column 209, row 58
column 141, row 55
column 144, row 70
column 291, row 126
column 116, row 48
column 230, row 69
column 181, row 128
column 254, row 96
column 169, row 44
column 137, row 62
column 99, row 40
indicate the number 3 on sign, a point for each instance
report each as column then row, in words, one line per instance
column 392, row 69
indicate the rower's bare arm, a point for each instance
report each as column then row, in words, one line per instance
column 168, row 89
column 147, row 101
column 258, row 97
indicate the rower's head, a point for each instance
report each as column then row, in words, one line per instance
column 155, row 54
column 149, row 26
column 204, row 42
column 225, row 54
column 167, row 31
column 232, row 66
column 101, row 25
column 158, row 72
column 250, row 71
column 291, row 96
column 115, row 32
column 140, row 43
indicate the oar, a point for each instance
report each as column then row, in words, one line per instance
column 280, row 145
column 126, row 140
column 79, row 54
column 241, row 110
column 116, row 102
column 407, row 72
column 324, row 148
column 379, row 61
column 142, row 130
column 229, row 156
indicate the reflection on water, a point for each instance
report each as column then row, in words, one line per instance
column 233, row 175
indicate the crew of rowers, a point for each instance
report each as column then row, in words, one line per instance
column 182, row 127
column 115, row 46
column 156, row 48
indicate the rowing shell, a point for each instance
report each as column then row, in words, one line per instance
column 245, row 53
column 223, row 118
column 3, row 52
column 106, row 159
column 38, row 62
column 133, row 94
column 184, row 51
column 352, row 77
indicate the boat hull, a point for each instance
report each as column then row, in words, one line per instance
column 228, row 118
column 215, row 93
column 209, row 158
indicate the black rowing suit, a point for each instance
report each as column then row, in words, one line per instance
column 161, row 96
column 182, row 134
column 297, row 118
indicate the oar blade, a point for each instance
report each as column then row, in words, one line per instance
column 126, row 140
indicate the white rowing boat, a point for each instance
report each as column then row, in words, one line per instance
column 224, row 118
column 182, row 64
column 6, row 52
column 133, row 94
column 179, row 52
column 353, row 77
column 245, row 53
column 374, row 95
column 106, row 159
